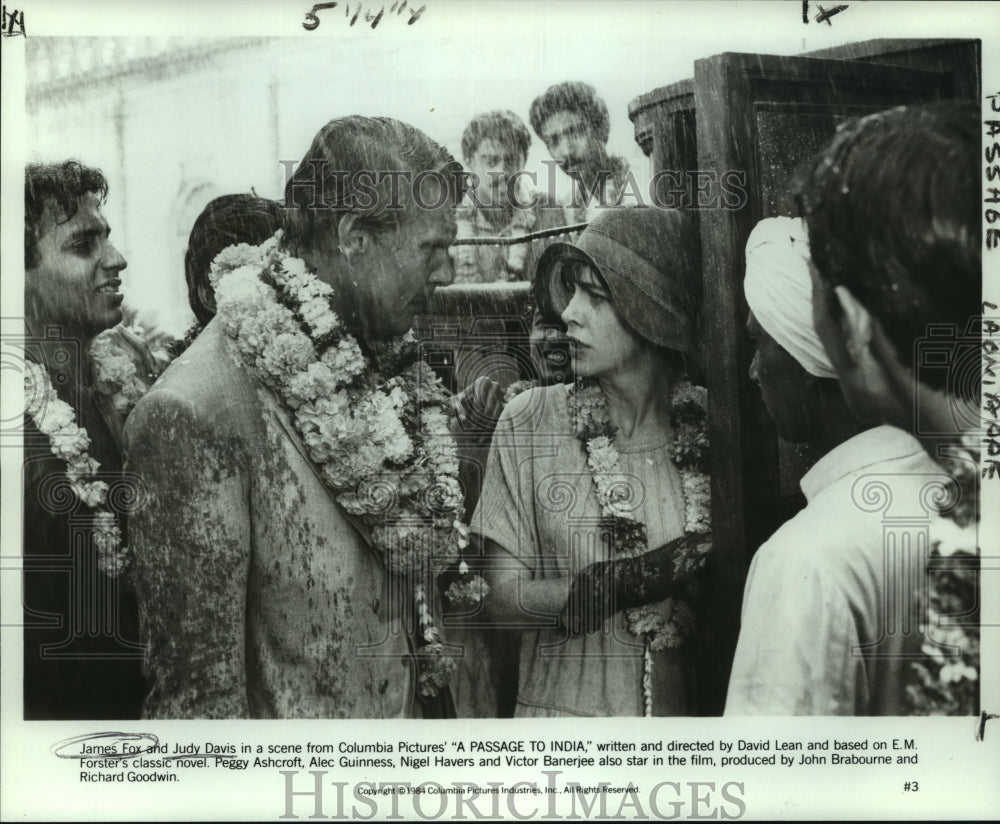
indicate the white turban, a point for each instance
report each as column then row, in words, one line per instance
column 779, row 290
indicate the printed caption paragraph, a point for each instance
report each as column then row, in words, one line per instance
column 142, row 757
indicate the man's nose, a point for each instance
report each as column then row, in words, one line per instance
column 444, row 273
column 113, row 259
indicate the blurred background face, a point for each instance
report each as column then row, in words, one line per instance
column 571, row 141
column 550, row 350
column 784, row 385
column 77, row 282
column 601, row 343
column 495, row 162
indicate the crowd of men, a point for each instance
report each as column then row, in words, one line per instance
column 234, row 604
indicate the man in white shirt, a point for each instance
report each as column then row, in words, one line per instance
column 828, row 621
column 891, row 205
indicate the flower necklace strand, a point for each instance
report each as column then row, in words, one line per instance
column 376, row 429
column 689, row 452
column 945, row 679
column 56, row 419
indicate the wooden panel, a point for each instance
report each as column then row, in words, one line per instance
column 959, row 59
column 764, row 115
column 665, row 129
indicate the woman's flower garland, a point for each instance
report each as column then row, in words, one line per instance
column 56, row 419
column 377, row 431
column 945, row 681
column 669, row 624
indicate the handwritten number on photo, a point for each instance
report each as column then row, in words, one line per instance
column 312, row 21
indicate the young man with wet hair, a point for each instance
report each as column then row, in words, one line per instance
column 573, row 123
column 500, row 202
column 81, row 652
column 892, row 206
column 892, row 210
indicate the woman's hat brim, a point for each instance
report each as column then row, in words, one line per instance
column 653, row 320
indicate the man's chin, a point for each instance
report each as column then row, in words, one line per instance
column 109, row 319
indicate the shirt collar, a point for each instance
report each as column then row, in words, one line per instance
column 873, row 446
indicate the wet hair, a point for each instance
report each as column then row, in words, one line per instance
column 62, row 184
column 574, row 272
column 347, row 171
column 891, row 207
column 227, row 220
column 572, row 96
column 502, row 125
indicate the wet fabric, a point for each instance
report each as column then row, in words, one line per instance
column 489, row 263
column 82, row 655
column 538, row 504
column 257, row 598
column 828, row 614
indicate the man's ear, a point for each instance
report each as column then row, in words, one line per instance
column 354, row 237
column 857, row 324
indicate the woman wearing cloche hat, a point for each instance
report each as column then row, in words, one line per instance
column 594, row 509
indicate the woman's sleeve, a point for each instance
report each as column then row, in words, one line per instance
column 505, row 514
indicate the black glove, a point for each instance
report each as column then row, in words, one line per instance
column 604, row 588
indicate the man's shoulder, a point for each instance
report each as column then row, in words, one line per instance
column 204, row 384
column 878, row 470
column 845, row 522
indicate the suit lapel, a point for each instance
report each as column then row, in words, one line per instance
column 286, row 425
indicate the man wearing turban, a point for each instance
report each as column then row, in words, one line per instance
column 827, row 621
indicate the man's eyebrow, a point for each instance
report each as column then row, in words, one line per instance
column 87, row 232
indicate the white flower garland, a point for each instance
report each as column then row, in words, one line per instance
column 56, row 419
column 670, row 627
column 115, row 374
column 378, row 432
column 945, row 679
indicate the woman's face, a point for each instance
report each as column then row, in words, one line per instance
column 600, row 342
